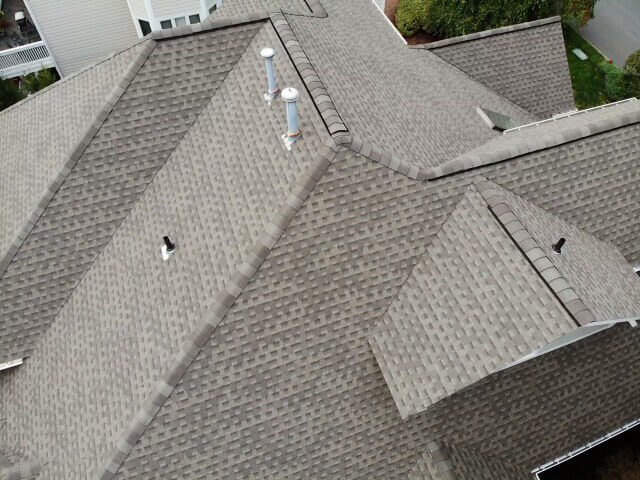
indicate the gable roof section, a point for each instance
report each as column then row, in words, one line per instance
column 36, row 148
column 591, row 278
column 551, row 134
column 471, row 306
column 215, row 197
column 527, row 63
column 169, row 88
column 535, row 411
column 358, row 56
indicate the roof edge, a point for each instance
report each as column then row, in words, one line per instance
column 223, row 301
column 532, row 144
column 536, row 255
column 211, row 23
column 21, row 471
column 111, row 100
column 310, row 78
column 208, row 25
column 487, row 33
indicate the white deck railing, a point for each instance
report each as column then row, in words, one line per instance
column 24, row 59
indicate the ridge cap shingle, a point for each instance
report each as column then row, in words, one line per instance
column 319, row 94
column 531, row 144
column 224, row 300
column 93, row 127
column 487, row 33
column 535, row 254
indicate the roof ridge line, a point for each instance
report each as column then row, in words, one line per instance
column 536, row 255
column 383, row 157
column 71, row 76
column 223, row 301
column 313, row 83
column 487, row 33
column 211, row 23
column 527, row 145
column 109, row 103
column 208, row 24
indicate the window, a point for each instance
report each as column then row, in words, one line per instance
column 194, row 18
column 180, row 21
column 145, row 27
column 213, row 8
column 165, row 24
column 496, row 120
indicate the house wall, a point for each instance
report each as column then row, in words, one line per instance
column 138, row 10
column 80, row 32
column 171, row 8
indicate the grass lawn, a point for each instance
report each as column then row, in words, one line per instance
column 587, row 78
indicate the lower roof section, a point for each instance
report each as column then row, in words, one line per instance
column 472, row 305
column 526, row 63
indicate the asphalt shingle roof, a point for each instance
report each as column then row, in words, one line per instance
column 526, row 63
column 214, row 200
column 155, row 109
column 472, row 305
column 413, row 114
column 246, row 353
column 31, row 160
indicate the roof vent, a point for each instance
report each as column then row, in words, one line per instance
column 167, row 249
column 291, row 96
column 557, row 248
column 272, row 89
column 495, row 120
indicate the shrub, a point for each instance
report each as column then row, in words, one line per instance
column 9, row 93
column 632, row 65
column 615, row 84
column 412, row 16
column 33, row 82
column 451, row 18
column 632, row 74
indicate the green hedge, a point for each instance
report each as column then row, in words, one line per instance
column 632, row 74
column 412, row 16
column 614, row 82
column 452, row 18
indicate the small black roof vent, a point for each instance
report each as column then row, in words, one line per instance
column 557, row 248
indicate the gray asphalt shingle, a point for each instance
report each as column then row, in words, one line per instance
column 246, row 353
column 525, row 63
column 214, row 200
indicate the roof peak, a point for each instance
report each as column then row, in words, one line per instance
column 487, row 33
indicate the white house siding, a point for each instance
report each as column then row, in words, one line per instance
column 171, row 8
column 80, row 32
column 138, row 10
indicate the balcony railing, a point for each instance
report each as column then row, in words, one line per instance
column 24, row 59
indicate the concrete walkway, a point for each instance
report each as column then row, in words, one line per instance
column 615, row 30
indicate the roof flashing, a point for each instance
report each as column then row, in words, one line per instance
column 495, row 120
column 11, row 364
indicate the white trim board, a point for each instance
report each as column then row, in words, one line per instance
column 11, row 364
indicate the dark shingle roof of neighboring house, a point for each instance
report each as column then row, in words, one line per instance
column 526, row 63
column 246, row 353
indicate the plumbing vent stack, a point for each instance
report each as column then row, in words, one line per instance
column 272, row 89
column 557, row 248
column 167, row 249
column 291, row 96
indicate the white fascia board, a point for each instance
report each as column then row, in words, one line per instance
column 11, row 364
